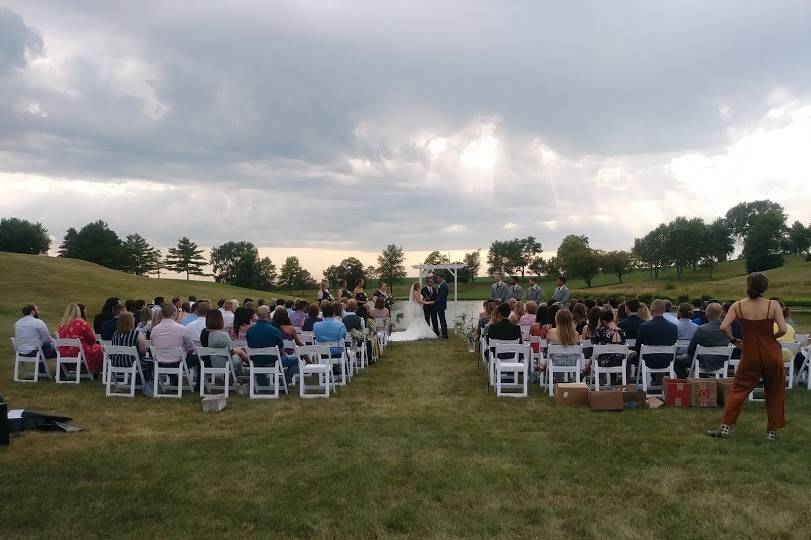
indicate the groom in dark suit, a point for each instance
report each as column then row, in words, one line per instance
column 429, row 295
column 442, row 304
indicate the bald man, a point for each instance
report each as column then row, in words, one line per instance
column 707, row 335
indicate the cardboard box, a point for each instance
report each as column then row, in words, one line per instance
column 654, row 403
column 703, row 392
column 633, row 398
column 606, row 400
column 676, row 391
column 724, row 387
column 571, row 394
column 213, row 404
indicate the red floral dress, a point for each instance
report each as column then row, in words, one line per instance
column 81, row 330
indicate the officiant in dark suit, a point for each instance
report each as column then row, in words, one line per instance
column 441, row 305
column 429, row 295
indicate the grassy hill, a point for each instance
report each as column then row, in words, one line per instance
column 52, row 283
column 791, row 283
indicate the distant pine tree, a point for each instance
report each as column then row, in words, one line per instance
column 186, row 258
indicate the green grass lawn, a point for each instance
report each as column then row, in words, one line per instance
column 414, row 447
column 417, row 447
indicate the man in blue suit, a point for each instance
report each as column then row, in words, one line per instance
column 441, row 304
column 657, row 331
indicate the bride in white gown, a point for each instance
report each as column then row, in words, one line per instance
column 416, row 327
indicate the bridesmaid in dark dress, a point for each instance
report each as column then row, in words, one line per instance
column 761, row 357
column 359, row 293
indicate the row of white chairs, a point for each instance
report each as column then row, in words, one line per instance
column 509, row 364
column 128, row 375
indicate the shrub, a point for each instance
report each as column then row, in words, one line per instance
column 646, row 298
column 683, row 298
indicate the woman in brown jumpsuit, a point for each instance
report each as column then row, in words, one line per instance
column 761, row 356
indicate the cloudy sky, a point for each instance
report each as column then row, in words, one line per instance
column 332, row 128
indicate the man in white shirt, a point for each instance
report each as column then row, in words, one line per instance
column 31, row 328
column 669, row 317
column 197, row 326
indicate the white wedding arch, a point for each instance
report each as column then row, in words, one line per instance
column 425, row 269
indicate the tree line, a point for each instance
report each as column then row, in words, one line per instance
column 760, row 227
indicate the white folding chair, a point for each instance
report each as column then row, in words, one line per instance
column 802, row 339
column 793, row 348
column 318, row 367
column 119, row 374
column 339, row 360
column 162, row 372
column 551, row 368
column 525, row 332
column 514, row 365
column 682, row 344
column 64, row 361
column 804, row 373
column 630, row 343
column 646, row 372
column 597, row 370
column 274, row 373
column 725, row 351
column 491, row 346
column 308, row 338
column 209, row 374
column 21, row 360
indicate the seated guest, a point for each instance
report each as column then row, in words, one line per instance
column 125, row 335
column 176, row 301
column 214, row 336
column 580, row 316
column 589, row 303
column 227, row 311
column 186, row 318
column 630, row 324
column 247, row 301
column 685, row 324
column 323, row 292
column 502, row 328
column 72, row 326
column 788, row 337
column 608, row 332
column 707, row 335
column 330, row 329
column 658, row 331
column 537, row 328
column 129, row 306
column 644, row 313
column 197, row 326
column 551, row 313
column 158, row 302
column 282, row 321
column 668, row 314
column 350, row 319
column 312, row 318
column 108, row 327
column 145, row 321
column 31, row 328
column 622, row 312
column 139, row 308
column 698, row 315
column 105, row 315
column 243, row 317
column 563, row 333
column 528, row 318
column 517, row 310
column 170, row 334
column 592, row 323
column 380, row 311
column 338, row 308
column 485, row 317
column 192, row 301
column 299, row 313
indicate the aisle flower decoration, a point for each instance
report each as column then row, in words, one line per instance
column 466, row 327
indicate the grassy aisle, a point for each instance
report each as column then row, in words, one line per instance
column 415, row 446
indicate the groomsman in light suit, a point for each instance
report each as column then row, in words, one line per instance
column 514, row 290
column 499, row 290
column 534, row 292
column 562, row 295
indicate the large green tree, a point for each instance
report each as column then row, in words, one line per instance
column 390, row 266
column 617, row 262
column 718, row 244
column 238, row 263
column 350, row 269
column 22, row 236
column 578, row 259
column 96, row 243
column 798, row 238
column 504, row 256
column 740, row 217
column 293, row 276
column 762, row 243
column 473, row 263
column 186, row 258
column 529, row 249
column 142, row 258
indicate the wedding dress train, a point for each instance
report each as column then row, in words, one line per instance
column 416, row 328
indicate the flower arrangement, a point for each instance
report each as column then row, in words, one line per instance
column 466, row 327
column 357, row 335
